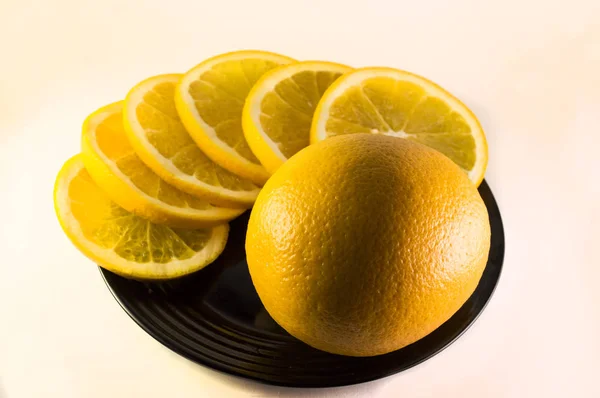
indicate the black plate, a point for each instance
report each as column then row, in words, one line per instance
column 215, row 318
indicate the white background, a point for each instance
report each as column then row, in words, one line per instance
column 530, row 71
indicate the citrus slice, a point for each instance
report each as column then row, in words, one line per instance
column 117, row 169
column 278, row 110
column 162, row 142
column 401, row 104
column 122, row 242
column 210, row 98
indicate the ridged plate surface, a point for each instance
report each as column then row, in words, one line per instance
column 215, row 318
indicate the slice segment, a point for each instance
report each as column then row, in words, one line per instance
column 210, row 98
column 401, row 104
column 278, row 111
column 122, row 242
column 162, row 142
column 116, row 168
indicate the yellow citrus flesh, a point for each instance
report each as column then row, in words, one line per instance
column 116, row 168
column 159, row 138
column 362, row 244
column 278, row 112
column 401, row 104
column 125, row 243
column 210, row 99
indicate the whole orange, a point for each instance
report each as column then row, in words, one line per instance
column 362, row 244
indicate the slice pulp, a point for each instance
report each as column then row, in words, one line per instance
column 125, row 243
column 278, row 112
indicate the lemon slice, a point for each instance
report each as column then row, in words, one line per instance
column 116, row 168
column 279, row 109
column 162, row 142
column 401, row 104
column 210, row 99
column 122, row 242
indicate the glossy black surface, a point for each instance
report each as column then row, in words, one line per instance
column 215, row 318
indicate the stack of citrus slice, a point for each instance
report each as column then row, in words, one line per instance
column 162, row 172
